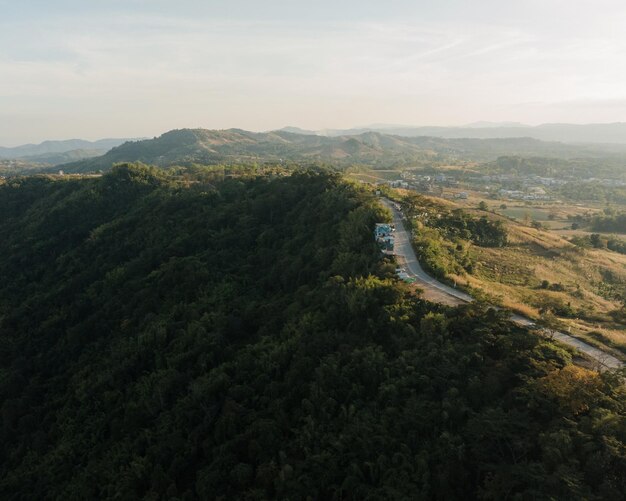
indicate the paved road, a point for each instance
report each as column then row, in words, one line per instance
column 439, row 292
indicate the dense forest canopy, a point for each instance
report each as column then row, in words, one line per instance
column 169, row 336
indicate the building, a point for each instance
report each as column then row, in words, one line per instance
column 384, row 236
column 383, row 230
column 398, row 183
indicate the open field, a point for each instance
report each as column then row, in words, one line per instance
column 374, row 175
column 530, row 212
column 542, row 275
column 583, row 285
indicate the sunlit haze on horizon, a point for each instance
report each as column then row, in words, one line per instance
column 138, row 68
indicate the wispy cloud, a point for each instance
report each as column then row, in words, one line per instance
column 164, row 69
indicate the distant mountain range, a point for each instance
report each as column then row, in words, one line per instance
column 485, row 125
column 567, row 133
column 202, row 146
column 379, row 145
column 51, row 152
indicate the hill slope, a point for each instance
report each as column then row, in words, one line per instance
column 161, row 339
column 201, row 146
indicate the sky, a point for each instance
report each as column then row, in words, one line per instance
column 137, row 68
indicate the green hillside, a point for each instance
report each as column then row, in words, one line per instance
column 201, row 146
column 175, row 337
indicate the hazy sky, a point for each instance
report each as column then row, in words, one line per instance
column 133, row 68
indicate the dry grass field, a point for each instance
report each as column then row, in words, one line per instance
column 540, row 273
column 540, row 270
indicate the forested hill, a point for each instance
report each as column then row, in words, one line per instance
column 201, row 146
column 164, row 337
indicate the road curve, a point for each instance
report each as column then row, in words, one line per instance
column 443, row 293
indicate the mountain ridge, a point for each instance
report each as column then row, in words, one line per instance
column 205, row 146
column 59, row 146
column 593, row 133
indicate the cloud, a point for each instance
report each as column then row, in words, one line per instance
column 161, row 69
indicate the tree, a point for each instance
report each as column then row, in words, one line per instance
column 596, row 240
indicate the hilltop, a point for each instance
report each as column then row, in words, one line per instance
column 243, row 338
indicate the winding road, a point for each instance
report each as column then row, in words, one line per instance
column 442, row 293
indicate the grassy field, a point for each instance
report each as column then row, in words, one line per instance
column 374, row 176
column 585, row 282
column 540, row 271
column 527, row 212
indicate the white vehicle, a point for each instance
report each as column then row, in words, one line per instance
column 402, row 273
